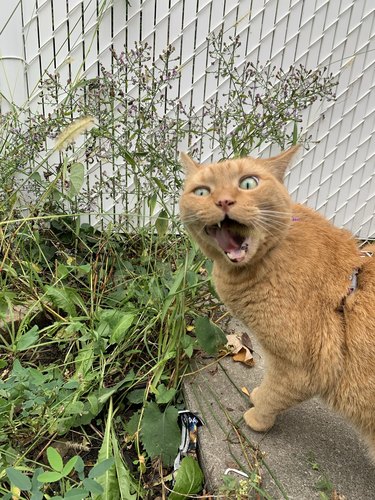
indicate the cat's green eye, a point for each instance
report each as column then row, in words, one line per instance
column 250, row 182
column 201, row 191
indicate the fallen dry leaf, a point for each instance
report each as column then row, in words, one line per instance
column 241, row 348
column 337, row 496
column 245, row 391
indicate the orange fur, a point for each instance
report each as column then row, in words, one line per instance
column 291, row 276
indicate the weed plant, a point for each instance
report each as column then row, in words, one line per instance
column 97, row 304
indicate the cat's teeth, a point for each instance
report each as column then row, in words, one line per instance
column 219, row 225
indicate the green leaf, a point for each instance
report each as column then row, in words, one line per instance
column 74, row 408
column 114, row 323
column 84, row 268
column 37, row 495
column 178, row 280
column 8, row 269
column 35, row 176
column 123, row 325
column 164, row 395
column 66, row 298
column 137, row 396
column 49, row 477
column 234, row 144
column 62, row 298
column 126, row 484
column 62, row 271
column 68, row 467
column 192, row 278
column 130, row 376
column 187, row 344
column 104, row 470
column 35, row 485
column 161, row 223
column 71, row 384
column 77, row 177
column 92, row 486
column 80, row 467
column 106, row 392
column 18, row 479
column 210, row 337
column 54, row 459
column 101, row 468
column 189, row 479
column 133, row 423
column 84, row 361
column 295, row 133
column 127, row 156
column 151, row 202
column 94, row 404
column 160, row 434
column 28, row 339
column 163, row 188
column 76, row 494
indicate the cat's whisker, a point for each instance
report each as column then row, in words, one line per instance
column 275, row 217
column 193, row 218
column 270, row 228
column 272, row 222
column 273, row 225
column 275, row 213
column 201, row 231
column 259, row 224
column 270, row 208
column 276, row 220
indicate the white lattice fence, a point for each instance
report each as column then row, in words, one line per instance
column 336, row 176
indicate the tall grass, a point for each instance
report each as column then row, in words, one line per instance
column 103, row 316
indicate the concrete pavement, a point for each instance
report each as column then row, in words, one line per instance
column 308, row 452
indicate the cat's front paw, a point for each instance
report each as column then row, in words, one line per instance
column 252, row 419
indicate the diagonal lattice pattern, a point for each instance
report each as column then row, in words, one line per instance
column 336, row 175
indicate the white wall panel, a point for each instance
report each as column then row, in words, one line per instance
column 336, row 175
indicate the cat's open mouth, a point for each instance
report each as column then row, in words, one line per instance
column 232, row 237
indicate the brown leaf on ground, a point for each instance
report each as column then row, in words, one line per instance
column 336, row 496
column 241, row 348
column 245, row 391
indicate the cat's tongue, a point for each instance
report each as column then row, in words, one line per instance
column 229, row 242
column 237, row 255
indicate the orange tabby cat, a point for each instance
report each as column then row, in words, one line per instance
column 300, row 284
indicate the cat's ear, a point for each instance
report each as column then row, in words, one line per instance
column 191, row 167
column 278, row 164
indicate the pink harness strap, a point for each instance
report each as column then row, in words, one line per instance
column 353, row 281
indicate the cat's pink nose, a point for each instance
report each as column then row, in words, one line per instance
column 225, row 203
